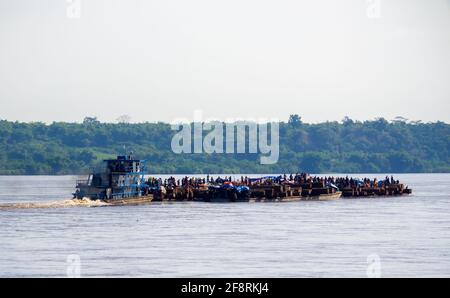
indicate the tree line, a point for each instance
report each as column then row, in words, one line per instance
column 376, row 146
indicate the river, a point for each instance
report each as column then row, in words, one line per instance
column 387, row 237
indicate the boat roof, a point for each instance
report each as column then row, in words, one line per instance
column 124, row 158
column 140, row 160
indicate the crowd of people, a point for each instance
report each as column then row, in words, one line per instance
column 366, row 182
column 298, row 178
column 191, row 181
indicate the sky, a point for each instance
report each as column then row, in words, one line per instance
column 233, row 59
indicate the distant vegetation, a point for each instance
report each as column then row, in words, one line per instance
column 347, row 146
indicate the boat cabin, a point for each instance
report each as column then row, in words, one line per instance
column 121, row 177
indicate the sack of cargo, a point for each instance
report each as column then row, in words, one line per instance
column 228, row 185
column 242, row 188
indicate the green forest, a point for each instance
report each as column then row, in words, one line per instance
column 348, row 146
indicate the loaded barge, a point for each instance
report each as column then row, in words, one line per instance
column 122, row 181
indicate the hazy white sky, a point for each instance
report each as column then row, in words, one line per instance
column 160, row 60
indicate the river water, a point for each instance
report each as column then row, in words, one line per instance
column 387, row 237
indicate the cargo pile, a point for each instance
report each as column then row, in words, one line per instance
column 271, row 188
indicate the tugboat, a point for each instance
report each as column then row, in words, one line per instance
column 120, row 182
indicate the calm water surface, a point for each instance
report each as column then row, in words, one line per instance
column 410, row 235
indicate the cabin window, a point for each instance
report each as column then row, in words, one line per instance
column 96, row 180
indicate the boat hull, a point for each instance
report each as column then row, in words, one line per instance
column 150, row 198
column 325, row 197
column 130, row 201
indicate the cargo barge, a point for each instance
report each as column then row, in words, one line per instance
column 122, row 182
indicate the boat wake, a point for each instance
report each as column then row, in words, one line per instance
column 84, row 202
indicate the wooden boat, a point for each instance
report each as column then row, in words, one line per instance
column 282, row 199
column 227, row 199
column 324, row 197
column 370, row 192
column 130, row 201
